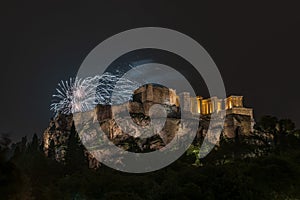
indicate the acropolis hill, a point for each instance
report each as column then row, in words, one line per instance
column 238, row 119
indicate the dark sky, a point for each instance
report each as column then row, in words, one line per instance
column 255, row 45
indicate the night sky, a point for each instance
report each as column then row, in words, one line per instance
column 255, row 46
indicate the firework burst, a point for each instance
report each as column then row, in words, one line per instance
column 75, row 95
column 81, row 95
column 113, row 89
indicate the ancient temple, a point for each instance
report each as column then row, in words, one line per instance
column 238, row 119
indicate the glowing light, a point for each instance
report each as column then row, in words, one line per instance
column 75, row 95
column 81, row 95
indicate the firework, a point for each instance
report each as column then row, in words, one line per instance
column 113, row 89
column 81, row 95
column 75, row 95
column 123, row 90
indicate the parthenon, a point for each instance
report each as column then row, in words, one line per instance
column 232, row 104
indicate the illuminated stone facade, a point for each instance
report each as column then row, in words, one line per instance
column 238, row 119
column 150, row 94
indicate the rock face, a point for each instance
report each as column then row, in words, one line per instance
column 58, row 132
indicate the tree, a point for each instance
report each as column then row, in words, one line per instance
column 267, row 124
column 8, row 171
column 297, row 133
column 33, row 147
column 75, row 158
column 51, row 150
column 286, row 126
column 4, row 145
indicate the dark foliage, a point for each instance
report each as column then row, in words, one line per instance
column 237, row 169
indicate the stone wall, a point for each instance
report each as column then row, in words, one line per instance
column 240, row 111
column 58, row 131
